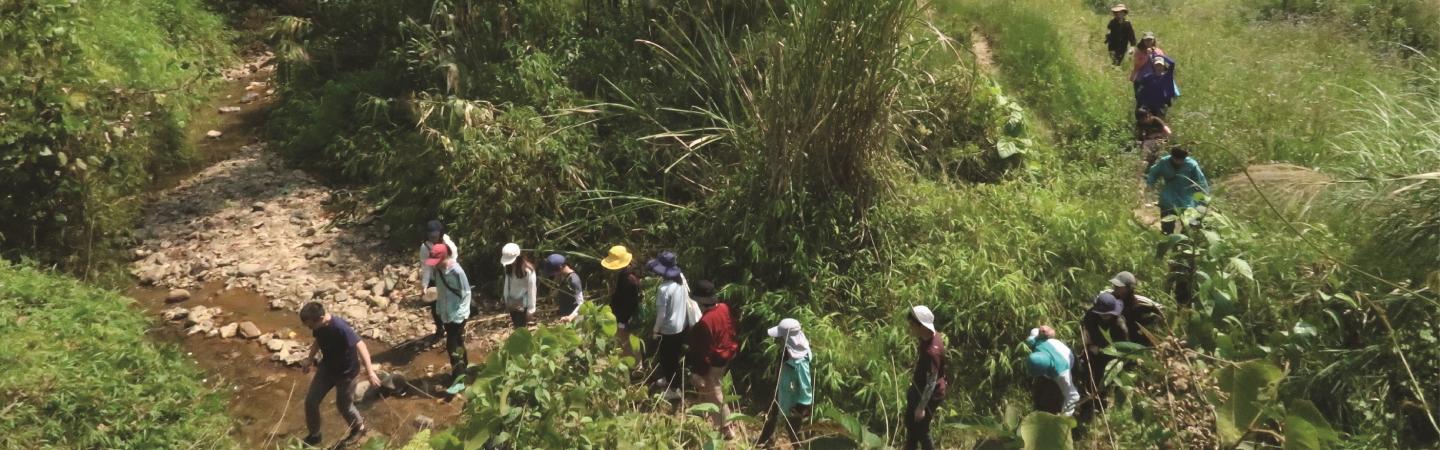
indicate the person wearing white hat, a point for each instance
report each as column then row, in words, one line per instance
column 929, row 383
column 517, row 285
column 795, row 390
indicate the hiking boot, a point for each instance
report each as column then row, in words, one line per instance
column 356, row 433
column 311, row 440
column 673, row 394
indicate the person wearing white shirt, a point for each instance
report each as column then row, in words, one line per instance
column 517, row 285
column 671, row 305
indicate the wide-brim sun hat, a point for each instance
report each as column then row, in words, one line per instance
column 618, row 258
column 785, row 328
column 509, row 253
column 1119, row 8
column 923, row 315
column 438, row 252
column 1107, row 305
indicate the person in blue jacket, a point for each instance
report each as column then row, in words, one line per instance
column 1156, row 88
column 1183, row 179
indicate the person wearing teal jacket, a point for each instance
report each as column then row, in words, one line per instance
column 1183, row 179
column 795, row 392
column 453, row 307
column 1051, row 359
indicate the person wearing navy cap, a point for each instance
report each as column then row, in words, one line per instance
column 568, row 291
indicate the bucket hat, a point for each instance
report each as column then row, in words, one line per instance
column 618, row 258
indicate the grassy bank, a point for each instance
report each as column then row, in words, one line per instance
column 78, row 371
column 98, row 95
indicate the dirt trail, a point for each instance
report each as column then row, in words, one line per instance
column 980, row 46
column 228, row 253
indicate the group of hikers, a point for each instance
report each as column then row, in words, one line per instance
column 694, row 328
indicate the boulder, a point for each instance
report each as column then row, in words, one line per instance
column 228, row 331
column 250, row 270
column 248, row 330
column 177, row 295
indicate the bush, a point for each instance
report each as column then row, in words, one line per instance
column 96, row 98
column 78, row 371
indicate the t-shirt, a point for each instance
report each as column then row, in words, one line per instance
column 337, row 341
column 1151, row 128
column 572, row 292
column 670, row 306
column 626, row 300
column 930, row 356
column 712, row 341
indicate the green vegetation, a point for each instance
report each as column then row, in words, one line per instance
column 96, row 98
column 80, row 372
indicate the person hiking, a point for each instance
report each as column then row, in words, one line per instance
column 344, row 355
column 712, row 347
column 517, row 283
column 1155, row 89
column 434, row 234
column 569, row 292
column 453, row 303
column 1121, row 35
column 1183, row 179
column 624, row 296
column 1141, row 313
column 1102, row 324
column 1152, row 132
column 928, row 385
column 1145, row 53
column 1051, row 361
column 671, row 322
column 795, row 388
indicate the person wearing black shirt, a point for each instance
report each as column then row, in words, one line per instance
column 344, row 354
column 624, row 295
column 1121, row 36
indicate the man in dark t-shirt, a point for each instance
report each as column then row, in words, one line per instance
column 928, row 385
column 343, row 355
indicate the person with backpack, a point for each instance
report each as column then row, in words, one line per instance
column 1155, row 89
column 671, row 322
column 1051, row 360
column 569, row 292
column 624, row 295
column 435, row 234
column 928, row 383
column 1141, row 313
column 712, row 347
column 1121, row 34
column 517, row 285
column 1183, row 180
column 345, row 355
column 1102, row 325
column 453, row 305
column 795, row 386
column 1145, row 53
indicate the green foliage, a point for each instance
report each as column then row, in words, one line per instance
column 1412, row 23
column 1251, row 388
column 96, row 98
column 78, row 371
column 1042, row 430
column 1306, row 428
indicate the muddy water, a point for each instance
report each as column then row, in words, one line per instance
column 267, row 398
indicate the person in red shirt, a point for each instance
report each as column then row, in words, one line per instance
column 712, row 346
column 928, row 385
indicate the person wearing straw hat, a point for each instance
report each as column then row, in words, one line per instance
column 1122, row 34
column 929, row 383
column 435, row 234
column 672, row 311
column 517, row 283
column 624, row 295
column 1051, row 360
column 1145, row 52
column 453, row 303
column 569, row 292
column 795, row 387
column 712, row 346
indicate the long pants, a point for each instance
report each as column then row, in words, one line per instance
column 792, row 425
column 435, row 314
column 1117, row 56
column 519, row 319
column 917, row 432
column 1168, row 226
column 672, row 350
column 321, row 385
column 455, row 346
column 711, row 386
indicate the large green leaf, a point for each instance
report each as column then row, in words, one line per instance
column 1045, row 431
column 1306, row 428
column 1251, row 386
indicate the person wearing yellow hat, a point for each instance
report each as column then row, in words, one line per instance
column 1121, row 36
column 624, row 295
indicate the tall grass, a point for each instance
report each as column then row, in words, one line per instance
column 78, row 371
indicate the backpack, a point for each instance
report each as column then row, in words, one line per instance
column 692, row 313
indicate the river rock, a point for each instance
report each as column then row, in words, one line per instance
column 363, row 391
column 279, row 345
column 378, row 290
column 389, row 284
column 200, row 315
column 257, row 206
column 248, row 330
column 229, row 109
column 249, row 97
column 175, row 313
column 228, row 331
column 250, row 270
column 357, row 313
column 379, row 301
column 213, row 134
column 276, row 304
column 177, row 296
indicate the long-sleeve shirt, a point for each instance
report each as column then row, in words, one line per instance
column 1181, row 184
column 1143, row 59
column 1122, row 34
column 1156, row 91
column 712, row 339
column 626, row 299
column 519, row 293
column 426, row 272
column 1058, row 356
column 670, row 307
column 930, row 362
column 453, row 305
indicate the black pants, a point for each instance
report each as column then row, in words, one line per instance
column 455, row 347
column 1117, row 56
column 672, row 351
column 792, row 425
column 917, row 432
column 519, row 319
column 1168, row 226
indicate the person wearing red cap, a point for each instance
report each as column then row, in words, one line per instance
column 712, row 346
column 435, row 234
column 453, row 306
